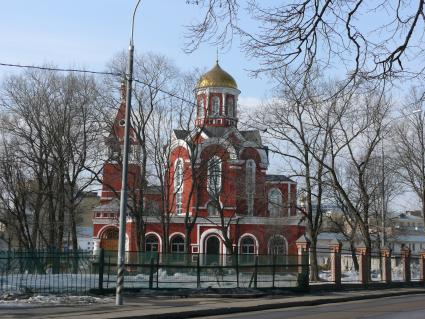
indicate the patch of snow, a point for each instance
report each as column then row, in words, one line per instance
column 22, row 299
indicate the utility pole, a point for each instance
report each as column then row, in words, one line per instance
column 124, row 179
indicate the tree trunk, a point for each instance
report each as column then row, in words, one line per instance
column 354, row 256
column 314, row 274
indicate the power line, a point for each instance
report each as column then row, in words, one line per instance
column 22, row 66
column 56, row 69
column 122, row 75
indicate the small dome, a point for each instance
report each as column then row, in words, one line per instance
column 217, row 77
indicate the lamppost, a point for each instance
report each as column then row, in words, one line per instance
column 124, row 179
column 383, row 205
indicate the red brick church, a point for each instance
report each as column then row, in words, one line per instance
column 218, row 174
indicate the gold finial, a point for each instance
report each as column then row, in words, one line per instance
column 216, row 61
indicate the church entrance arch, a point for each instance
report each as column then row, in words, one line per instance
column 109, row 239
column 212, row 250
column 212, row 246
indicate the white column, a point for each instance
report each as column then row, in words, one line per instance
column 289, row 199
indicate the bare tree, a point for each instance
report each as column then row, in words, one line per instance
column 289, row 122
column 366, row 39
column 410, row 146
column 51, row 120
column 357, row 120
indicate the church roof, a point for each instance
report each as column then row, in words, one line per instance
column 252, row 135
column 153, row 189
column 217, row 77
column 278, row 178
column 181, row 134
column 112, row 206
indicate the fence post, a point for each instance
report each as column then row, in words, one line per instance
column 157, row 271
column 274, row 270
column 335, row 248
column 364, row 270
column 256, row 271
column 303, row 246
column 101, row 267
column 405, row 260
column 422, row 267
column 386, row 265
column 198, row 272
column 151, row 274
column 237, row 269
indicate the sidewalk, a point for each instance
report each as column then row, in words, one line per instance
column 178, row 307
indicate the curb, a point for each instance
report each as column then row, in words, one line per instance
column 278, row 305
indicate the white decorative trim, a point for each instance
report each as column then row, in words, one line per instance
column 103, row 229
column 176, row 234
column 212, row 232
column 289, row 199
column 217, row 141
column 176, row 143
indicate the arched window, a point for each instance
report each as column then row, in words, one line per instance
column 178, row 184
column 177, row 244
column 215, row 106
column 151, row 243
column 275, row 202
column 247, row 245
column 250, row 186
column 277, row 245
column 230, row 106
column 110, row 233
column 214, row 176
column 201, row 108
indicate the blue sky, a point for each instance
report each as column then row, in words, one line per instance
column 88, row 33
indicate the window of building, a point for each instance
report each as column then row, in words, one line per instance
column 277, row 245
column 215, row 106
column 247, row 246
column 230, row 106
column 212, row 209
column 178, row 185
column 201, row 108
column 214, row 176
column 179, row 203
column 151, row 243
column 250, row 185
column 275, row 202
column 177, row 244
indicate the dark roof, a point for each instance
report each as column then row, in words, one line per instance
column 252, row 135
column 153, row 189
column 278, row 178
column 215, row 131
column 181, row 134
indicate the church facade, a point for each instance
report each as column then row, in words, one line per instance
column 219, row 198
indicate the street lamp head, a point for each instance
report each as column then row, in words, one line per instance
column 417, row 111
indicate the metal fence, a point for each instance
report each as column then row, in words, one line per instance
column 47, row 271
column 81, row 272
column 154, row 270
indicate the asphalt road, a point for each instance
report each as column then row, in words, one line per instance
column 403, row 307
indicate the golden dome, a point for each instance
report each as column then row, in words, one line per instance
column 217, row 77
